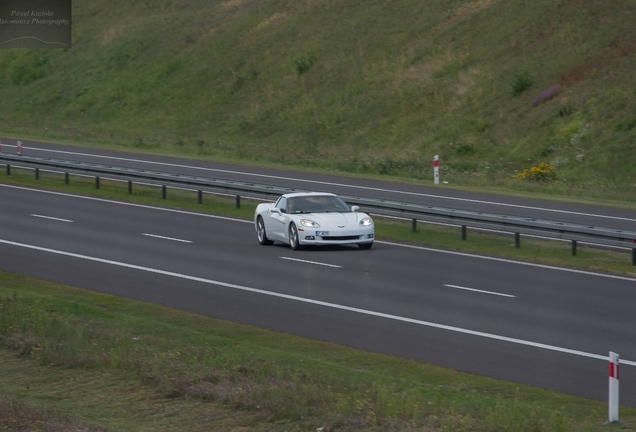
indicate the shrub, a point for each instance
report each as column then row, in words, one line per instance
column 521, row 82
column 543, row 172
column 303, row 63
column 546, row 95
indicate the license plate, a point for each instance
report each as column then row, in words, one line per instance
column 322, row 233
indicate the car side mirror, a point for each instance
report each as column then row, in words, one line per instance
column 355, row 208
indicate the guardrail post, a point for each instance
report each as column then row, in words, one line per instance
column 66, row 178
column 414, row 225
column 634, row 256
column 96, row 182
column 573, row 247
column 200, row 196
column 37, row 173
column 463, row 232
column 238, row 201
column 129, row 186
column 8, row 169
column 163, row 191
column 517, row 240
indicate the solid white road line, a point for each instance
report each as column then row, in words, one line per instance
column 166, row 238
column 207, row 215
column 337, row 184
column 322, row 303
column 523, row 263
column 52, row 218
column 479, row 291
column 311, row 262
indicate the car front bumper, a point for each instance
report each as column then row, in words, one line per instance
column 310, row 237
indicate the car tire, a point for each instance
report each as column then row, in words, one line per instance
column 261, row 235
column 294, row 242
column 365, row 245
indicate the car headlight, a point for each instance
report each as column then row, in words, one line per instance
column 367, row 221
column 309, row 223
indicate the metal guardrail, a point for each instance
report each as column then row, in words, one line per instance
column 512, row 224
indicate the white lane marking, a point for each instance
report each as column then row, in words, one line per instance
column 127, row 203
column 166, row 238
column 321, row 303
column 479, row 291
column 52, row 218
column 338, row 184
column 311, row 262
column 523, row 263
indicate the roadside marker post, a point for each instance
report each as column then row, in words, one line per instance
column 20, row 148
column 436, row 168
column 613, row 387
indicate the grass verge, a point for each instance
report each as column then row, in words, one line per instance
column 550, row 252
column 96, row 362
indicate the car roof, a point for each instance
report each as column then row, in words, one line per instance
column 301, row 194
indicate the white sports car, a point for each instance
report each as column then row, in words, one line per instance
column 312, row 218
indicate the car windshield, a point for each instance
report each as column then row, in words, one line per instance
column 316, row 204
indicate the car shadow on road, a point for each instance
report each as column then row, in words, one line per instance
column 327, row 248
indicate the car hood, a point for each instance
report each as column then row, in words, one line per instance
column 334, row 220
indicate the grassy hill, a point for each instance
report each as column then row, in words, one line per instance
column 375, row 86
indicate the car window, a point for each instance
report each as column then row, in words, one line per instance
column 281, row 204
column 317, row 204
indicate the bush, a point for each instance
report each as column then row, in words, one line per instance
column 303, row 63
column 543, row 172
column 521, row 82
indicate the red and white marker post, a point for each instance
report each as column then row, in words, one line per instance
column 20, row 148
column 613, row 387
column 436, row 169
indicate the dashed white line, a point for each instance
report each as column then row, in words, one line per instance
column 166, row 238
column 311, row 262
column 51, row 218
column 324, row 304
column 402, row 245
column 206, row 215
column 479, row 291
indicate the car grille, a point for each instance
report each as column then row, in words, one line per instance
column 336, row 238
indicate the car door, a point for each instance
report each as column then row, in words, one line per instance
column 277, row 220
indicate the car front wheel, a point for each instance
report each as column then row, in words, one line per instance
column 261, row 234
column 293, row 237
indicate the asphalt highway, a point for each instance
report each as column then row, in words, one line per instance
column 428, row 195
column 527, row 323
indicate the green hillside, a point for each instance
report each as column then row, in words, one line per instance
column 374, row 86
